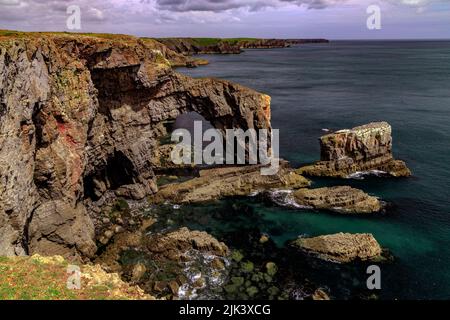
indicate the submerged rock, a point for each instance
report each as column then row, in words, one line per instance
column 364, row 149
column 320, row 295
column 271, row 268
column 138, row 272
column 339, row 199
column 175, row 244
column 341, row 247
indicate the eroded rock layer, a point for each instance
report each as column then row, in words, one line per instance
column 363, row 149
column 343, row 199
column 176, row 243
column 227, row 182
column 79, row 117
column 341, row 247
column 190, row 46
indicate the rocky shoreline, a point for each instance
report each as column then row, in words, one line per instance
column 83, row 118
column 192, row 46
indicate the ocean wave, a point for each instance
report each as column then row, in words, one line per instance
column 201, row 278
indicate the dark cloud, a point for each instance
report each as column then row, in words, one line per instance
column 315, row 4
column 253, row 5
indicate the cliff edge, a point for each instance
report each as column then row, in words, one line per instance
column 79, row 117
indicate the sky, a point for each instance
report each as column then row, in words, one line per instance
column 331, row 19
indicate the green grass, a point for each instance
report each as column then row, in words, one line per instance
column 110, row 36
column 215, row 41
column 212, row 41
column 24, row 278
column 20, row 34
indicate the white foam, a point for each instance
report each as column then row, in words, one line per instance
column 284, row 198
column 360, row 175
column 198, row 266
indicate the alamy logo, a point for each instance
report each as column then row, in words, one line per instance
column 374, row 19
column 74, row 279
column 192, row 150
column 73, row 22
column 374, row 281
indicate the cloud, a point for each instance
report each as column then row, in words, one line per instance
column 255, row 5
column 251, row 5
column 187, row 17
column 96, row 14
column 9, row 2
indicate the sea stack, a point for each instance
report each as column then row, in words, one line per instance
column 350, row 152
column 341, row 199
column 341, row 247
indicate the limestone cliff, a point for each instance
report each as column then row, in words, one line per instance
column 79, row 117
column 190, row 46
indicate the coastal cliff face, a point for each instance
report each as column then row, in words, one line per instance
column 366, row 148
column 79, row 118
column 190, row 46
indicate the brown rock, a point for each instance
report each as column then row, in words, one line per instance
column 367, row 148
column 160, row 286
column 227, row 182
column 345, row 200
column 55, row 223
column 341, row 247
column 174, row 287
column 320, row 295
column 138, row 272
column 218, row 264
column 174, row 244
column 190, row 46
column 79, row 119
column 264, row 238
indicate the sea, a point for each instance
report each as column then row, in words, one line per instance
column 343, row 84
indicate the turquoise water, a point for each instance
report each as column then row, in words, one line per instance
column 345, row 84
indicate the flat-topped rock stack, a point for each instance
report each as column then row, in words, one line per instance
column 342, row 199
column 360, row 150
column 217, row 183
column 341, row 247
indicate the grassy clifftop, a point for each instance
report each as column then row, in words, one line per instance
column 40, row 278
column 215, row 41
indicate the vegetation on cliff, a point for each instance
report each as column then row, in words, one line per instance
column 45, row 278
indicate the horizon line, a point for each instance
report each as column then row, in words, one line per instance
column 80, row 32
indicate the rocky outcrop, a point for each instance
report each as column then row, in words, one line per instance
column 344, row 200
column 175, row 244
column 364, row 149
column 276, row 43
column 341, row 247
column 188, row 46
column 191, row 46
column 79, row 118
column 227, row 182
column 167, row 264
